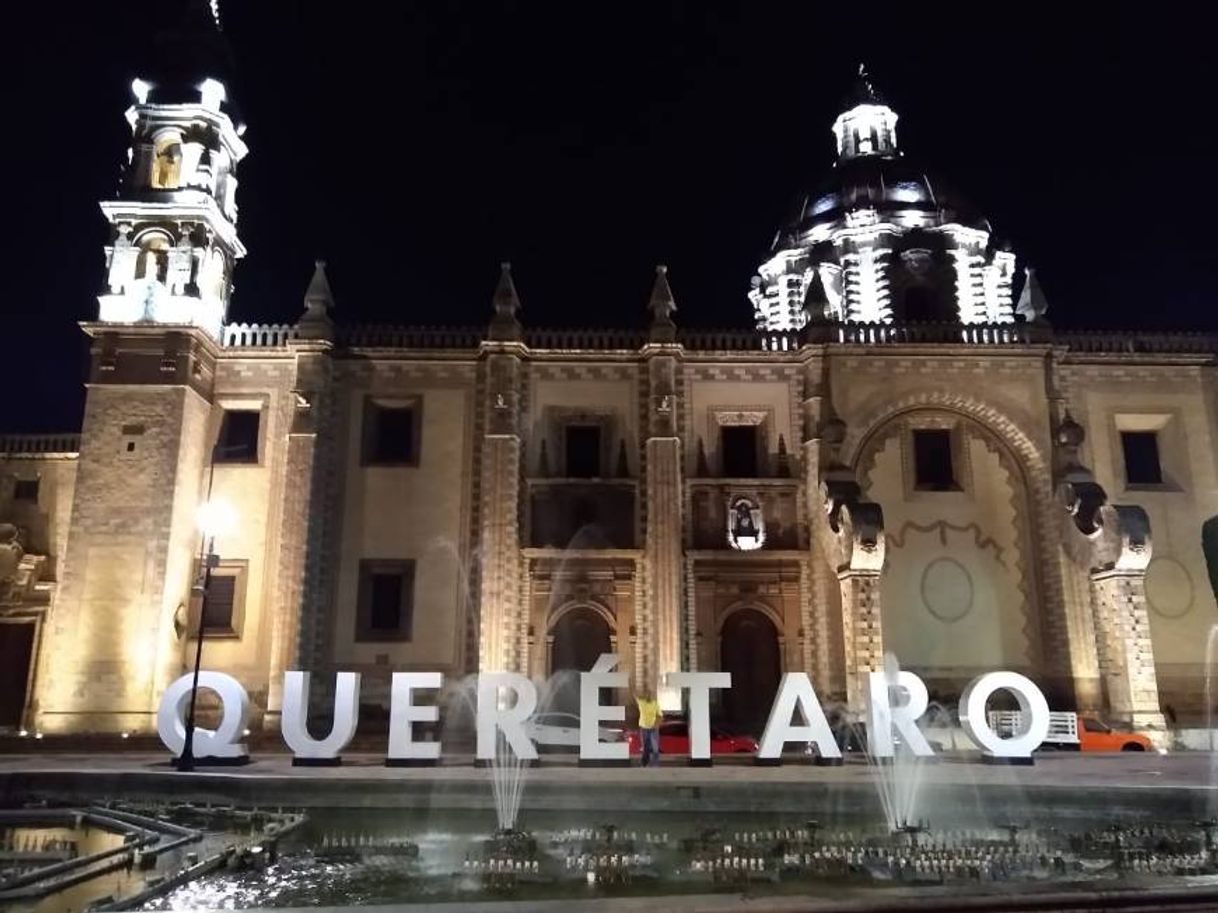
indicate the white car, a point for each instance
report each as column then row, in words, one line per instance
column 560, row 731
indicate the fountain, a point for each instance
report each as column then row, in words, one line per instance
column 898, row 780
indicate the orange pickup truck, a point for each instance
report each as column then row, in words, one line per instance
column 1073, row 732
column 1096, row 736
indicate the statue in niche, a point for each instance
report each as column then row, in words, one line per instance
column 745, row 524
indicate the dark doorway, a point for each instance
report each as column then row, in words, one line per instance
column 748, row 649
column 580, row 637
column 16, row 651
column 739, row 443
column 583, row 451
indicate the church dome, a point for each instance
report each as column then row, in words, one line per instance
column 887, row 185
column 880, row 240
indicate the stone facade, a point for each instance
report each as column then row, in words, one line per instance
column 499, row 498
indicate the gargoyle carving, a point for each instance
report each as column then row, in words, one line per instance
column 857, row 524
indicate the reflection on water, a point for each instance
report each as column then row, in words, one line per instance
column 368, row 856
column 27, row 848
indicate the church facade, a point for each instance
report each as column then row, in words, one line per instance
column 899, row 458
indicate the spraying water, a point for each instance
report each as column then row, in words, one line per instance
column 898, row 780
column 1209, row 675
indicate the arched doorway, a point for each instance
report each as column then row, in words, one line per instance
column 580, row 636
column 748, row 649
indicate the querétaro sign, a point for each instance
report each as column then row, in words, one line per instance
column 506, row 700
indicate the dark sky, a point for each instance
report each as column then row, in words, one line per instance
column 416, row 144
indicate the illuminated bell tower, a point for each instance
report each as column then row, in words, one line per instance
column 124, row 617
column 174, row 225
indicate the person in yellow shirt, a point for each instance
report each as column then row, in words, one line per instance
column 649, row 727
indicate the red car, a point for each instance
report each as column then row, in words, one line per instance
column 674, row 739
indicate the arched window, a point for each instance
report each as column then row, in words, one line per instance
column 216, row 279
column 167, row 162
column 153, row 260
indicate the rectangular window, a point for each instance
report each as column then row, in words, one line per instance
column 238, row 441
column 738, row 445
column 1142, row 465
column 583, row 451
column 391, row 434
column 219, row 602
column 222, row 610
column 933, row 470
column 385, row 609
column 25, row 490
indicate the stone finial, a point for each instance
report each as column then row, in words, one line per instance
column 1032, row 304
column 662, row 304
column 315, row 323
column 783, row 462
column 505, row 324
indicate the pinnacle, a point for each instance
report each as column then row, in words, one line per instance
column 318, row 294
column 505, row 300
column 662, row 303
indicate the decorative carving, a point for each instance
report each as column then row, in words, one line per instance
column 11, row 554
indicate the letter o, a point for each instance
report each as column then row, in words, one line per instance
column 221, row 742
column 1032, row 705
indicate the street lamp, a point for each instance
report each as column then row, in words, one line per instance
column 215, row 517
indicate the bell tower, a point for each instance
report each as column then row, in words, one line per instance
column 173, row 240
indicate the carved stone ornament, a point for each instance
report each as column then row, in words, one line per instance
column 745, row 523
column 11, row 553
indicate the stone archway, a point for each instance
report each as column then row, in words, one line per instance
column 578, row 636
column 1068, row 661
column 750, row 650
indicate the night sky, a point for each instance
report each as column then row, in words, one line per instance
column 414, row 145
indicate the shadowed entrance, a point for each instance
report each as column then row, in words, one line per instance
column 748, row 649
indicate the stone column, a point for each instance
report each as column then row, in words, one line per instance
column 813, row 614
column 853, row 535
column 300, row 519
column 861, row 557
column 1114, row 542
column 499, row 530
column 1118, row 586
column 660, row 625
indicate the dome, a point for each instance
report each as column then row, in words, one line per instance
column 888, row 186
column 880, row 241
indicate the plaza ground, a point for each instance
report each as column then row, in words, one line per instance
column 734, row 784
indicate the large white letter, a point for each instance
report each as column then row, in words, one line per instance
column 884, row 718
column 207, row 743
column 1034, row 713
column 592, row 713
column 699, row 685
column 797, row 693
column 404, row 713
column 295, row 719
column 494, row 713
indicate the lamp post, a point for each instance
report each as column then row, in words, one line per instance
column 215, row 517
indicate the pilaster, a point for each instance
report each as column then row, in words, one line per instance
column 660, row 624
column 302, row 517
column 501, row 614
